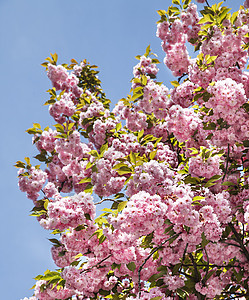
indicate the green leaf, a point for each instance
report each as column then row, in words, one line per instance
column 122, row 205
column 132, row 157
column 89, row 189
column 89, row 165
column 27, row 159
column 85, row 180
column 118, row 126
column 177, row 2
column 153, row 154
column 228, row 183
column 144, row 80
column 131, row 266
column 175, row 83
column 124, row 170
column 147, row 52
column 197, row 198
column 204, row 240
column 234, row 17
column 246, row 143
column 206, row 18
column 79, row 227
column 103, row 149
column 161, row 12
column 70, row 126
column 20, row 164
column 87, row 216
column 55, row 242
column 140, row 135
column 156, row 298
column 37, row 125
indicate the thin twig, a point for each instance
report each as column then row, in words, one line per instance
column 228, row 151
column 107, row 199
column 230, row 244
column 183, row 75
column 197, row 276
column 148, row 257
column 207, row 268
column 86, row 270
column 240, row 241
column 183, row 257
column 207, row 3
column 213, row 266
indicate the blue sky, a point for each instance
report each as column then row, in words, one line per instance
column 107, row 33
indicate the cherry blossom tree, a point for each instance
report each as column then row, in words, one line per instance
column 171, row 165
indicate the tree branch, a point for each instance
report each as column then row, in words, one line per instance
column 207, row 3
column 239, row 240
column 207, row 268
column 183, row 257
column 228, row 151
column 86, row 270
column 107, row 199
column 148, row 257
column 197, row 276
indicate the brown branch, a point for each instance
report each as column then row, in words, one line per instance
column 228, row 151
column 107, row 199
column 197, row 276
column 86, row 270
column 207, row 268
column 183, row 257
column 207, row 3
column 240, row 241
column 148, row 257
column 213, row 266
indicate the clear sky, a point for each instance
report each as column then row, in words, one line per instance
column 107, row 33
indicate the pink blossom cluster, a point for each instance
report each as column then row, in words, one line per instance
column 69, row 212
column 61, row 80
column 183, row 94
column 107, row 181
column 94, row 109
column 212, row 288
column 101, row 129
column 61, row 256
column 199, row 167
column 155, row 99
column 63, row 108
column 143, row 213
column 227, row 97
column 152, row 177
column 212, row 226
column 145, row 66
column 49, row 293
column 127, row 143
column 135, row 118
column 68, row 168
column 181, row 211
column 174, row 39
column 174, row 282
column 173, row 44
column 47, row 140
column 88, row 282
column 150, row 294
column 31, row 181
column 182, row 122
column 218, row 253
column 221, row 203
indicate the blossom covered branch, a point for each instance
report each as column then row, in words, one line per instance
column 172, row 165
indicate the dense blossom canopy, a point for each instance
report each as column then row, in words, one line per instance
column 171, row 165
